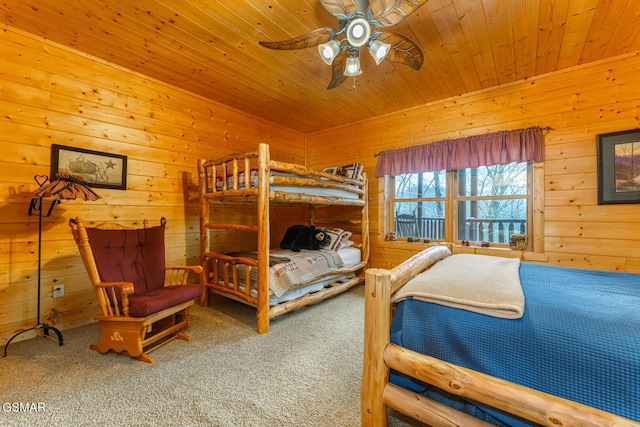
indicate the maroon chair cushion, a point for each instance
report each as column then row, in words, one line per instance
column 137, row 256
column 159, row 299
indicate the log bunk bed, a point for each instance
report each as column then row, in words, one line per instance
column 453, row 372
column 248, row 277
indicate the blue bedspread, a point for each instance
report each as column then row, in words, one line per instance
column 579, row 339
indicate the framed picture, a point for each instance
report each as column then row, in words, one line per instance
column 100, row 170
column 619, row 167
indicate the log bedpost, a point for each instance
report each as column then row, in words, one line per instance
column 377, row 327
column 263, row 238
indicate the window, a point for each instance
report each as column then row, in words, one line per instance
column 419, row 205
column 474, row 204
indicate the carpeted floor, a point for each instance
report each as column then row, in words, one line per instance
column 305, row 372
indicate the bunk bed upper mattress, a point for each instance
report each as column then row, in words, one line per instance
column 577, row 339
column 316, row 191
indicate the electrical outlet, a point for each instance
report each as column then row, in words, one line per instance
column 58, row 291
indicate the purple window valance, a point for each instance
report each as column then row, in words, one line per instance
column 497, row 148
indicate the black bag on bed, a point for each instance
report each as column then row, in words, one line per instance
column 304, row 237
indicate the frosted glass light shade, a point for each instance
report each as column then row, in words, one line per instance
column 329, row 50
column 352, row 66
column 378, row 50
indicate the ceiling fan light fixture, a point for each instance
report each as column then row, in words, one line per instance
column 358, row 32
column 359, row 24
column 378, row 50
column 352, row 67
column 329, row 50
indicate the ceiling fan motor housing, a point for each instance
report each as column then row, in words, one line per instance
column 358, row 32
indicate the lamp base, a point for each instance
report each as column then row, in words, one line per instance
column 42, row 327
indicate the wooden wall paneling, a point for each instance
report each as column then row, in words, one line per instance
column 633, row 265
column 52, row 94
column 552, row 20
column 472, row 18
column 434, row 58
column 617, row 248
column 211, row 48
column 606, row 213
column 577, row 104
column 594, row 229
column 538, row 209
column 605, row 27
column 526, row 29
column 579, row 19
column 140, row 49
column 570, row 181
column 502, row 40
column 453, row 37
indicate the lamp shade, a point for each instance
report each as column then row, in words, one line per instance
column 378, row 50
column 329, row 50
column 352, row 66
column 67, row 186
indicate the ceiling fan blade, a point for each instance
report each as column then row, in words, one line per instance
column 340, row 7
column 402, row 50
column 314, row 38
column 390, row 12
column 337, row 69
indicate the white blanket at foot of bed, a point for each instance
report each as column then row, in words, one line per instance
column 480, row 283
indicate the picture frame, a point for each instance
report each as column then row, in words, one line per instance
column 619, row 167
column 99, row 169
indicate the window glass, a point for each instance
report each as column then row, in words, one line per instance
column 498, row 180
column 485, row 212
column 423, row 220
column 491, row 220
column 419, row 207
column 487, row 204
column 417, row 185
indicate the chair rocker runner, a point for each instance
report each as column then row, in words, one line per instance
column 144, row 304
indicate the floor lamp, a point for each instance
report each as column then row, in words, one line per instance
column 64, row 187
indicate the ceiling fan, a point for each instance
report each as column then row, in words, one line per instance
column 360, row 23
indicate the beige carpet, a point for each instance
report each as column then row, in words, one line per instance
column 305, row 372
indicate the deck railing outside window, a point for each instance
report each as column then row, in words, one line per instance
column 496, row 230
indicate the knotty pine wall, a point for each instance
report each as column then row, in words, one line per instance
column 577, row 104
column 51, row 94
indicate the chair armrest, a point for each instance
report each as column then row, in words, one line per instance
column 108, row 299
column 124, row 286
column 195, row 268
column 179, row 275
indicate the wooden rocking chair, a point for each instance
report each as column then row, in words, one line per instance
column 127, row 269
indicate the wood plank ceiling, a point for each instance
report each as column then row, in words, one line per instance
column 211, row 48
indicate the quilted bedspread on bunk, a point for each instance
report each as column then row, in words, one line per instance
column 288, row 269
column 579, row 338
column 302, row 266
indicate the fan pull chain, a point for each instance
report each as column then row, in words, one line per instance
column 354, row 83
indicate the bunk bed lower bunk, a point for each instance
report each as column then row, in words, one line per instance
column 279, row 281
column 572, row 358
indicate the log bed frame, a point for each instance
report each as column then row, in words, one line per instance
column 221, row 271
column 378, row 394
